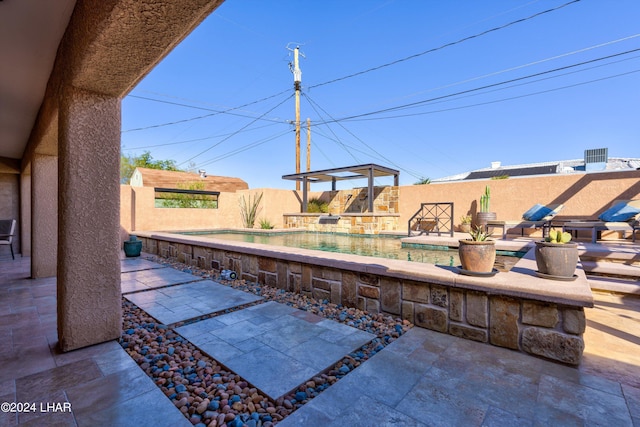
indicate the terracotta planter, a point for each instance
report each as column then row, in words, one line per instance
column 557, row 259
column 464, row 228
column 478, row 257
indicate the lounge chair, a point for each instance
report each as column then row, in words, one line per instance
column 622, row 216
column 539, row 216
column 7, row 228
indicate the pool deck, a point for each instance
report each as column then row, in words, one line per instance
column 423, row 378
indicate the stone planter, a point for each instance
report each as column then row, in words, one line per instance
column 557, row 260
column 477, row 257
column 132, row 247
column 465, row 228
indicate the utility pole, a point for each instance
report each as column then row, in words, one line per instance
column 297, row 79
column 308, row 149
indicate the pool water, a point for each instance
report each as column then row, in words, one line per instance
column 375, row 246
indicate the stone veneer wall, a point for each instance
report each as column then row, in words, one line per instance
column 385, row 200
column 541, row 328
column 344, row 223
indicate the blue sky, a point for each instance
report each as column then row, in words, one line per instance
column 437, row 87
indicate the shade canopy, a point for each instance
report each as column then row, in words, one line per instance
column 368, row 171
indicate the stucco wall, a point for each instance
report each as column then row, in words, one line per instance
column 10, row 206
column 584, row 195
column 137, row 211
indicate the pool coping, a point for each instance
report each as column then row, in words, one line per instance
column 520, row 282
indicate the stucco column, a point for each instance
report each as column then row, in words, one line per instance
column 44, row 215
column 25, row 214
column 89, row 298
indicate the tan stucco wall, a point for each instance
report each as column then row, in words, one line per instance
column 137, row 211
column 88, row 282
column 44, row 219
column 25, row 214
column 584, row 196
column 10, row 207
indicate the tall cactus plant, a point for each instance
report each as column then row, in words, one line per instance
column 484, row 200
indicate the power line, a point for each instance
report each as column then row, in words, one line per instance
column 397, row 61
column 380, row 156
column 506, row 70
column 215, row 112
column 337, row 139
column 198, row 139
column 412, row 104
column 238, row 131
column 504, row 99
column 242, row 149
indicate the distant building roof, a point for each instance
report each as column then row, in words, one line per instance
column 546, row 168
column 144, row 177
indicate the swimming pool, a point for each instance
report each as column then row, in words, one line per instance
column 380, row 246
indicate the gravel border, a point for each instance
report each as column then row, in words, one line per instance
column 211, row 395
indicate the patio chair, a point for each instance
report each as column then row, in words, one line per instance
column 622, row 216
column 7, row 228
column 539, row 216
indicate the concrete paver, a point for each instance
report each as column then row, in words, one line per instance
column 183, row 302
column 435, row 379
column 142, row 280
column 272, row 346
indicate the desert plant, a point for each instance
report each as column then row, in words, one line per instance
column 249, row 210
column 316, row 205
column 423, row 181
column 465, row 219
column 484, row 200
column 265, row 224
column 479, row 234
column 556, row 236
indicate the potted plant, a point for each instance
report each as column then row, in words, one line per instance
column 132, row 247
column 557, row 256
column 484, row 215
column 465, row 223
column 478, row 254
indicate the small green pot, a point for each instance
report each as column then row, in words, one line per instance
column 132, row 247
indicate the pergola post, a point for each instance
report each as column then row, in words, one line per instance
column 370, row 190
column 305, row 194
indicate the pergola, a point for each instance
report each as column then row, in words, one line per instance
column 369, row 171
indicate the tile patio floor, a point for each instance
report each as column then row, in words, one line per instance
column 423, row 378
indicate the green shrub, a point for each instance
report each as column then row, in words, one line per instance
column 265, row 224
column 316, row 205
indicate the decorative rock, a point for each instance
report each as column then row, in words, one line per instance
column 215, row 397
column 180, row 403
column 202, row 407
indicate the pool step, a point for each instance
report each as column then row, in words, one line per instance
column 612, row 284
column 613, row 277
column 612, row 269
